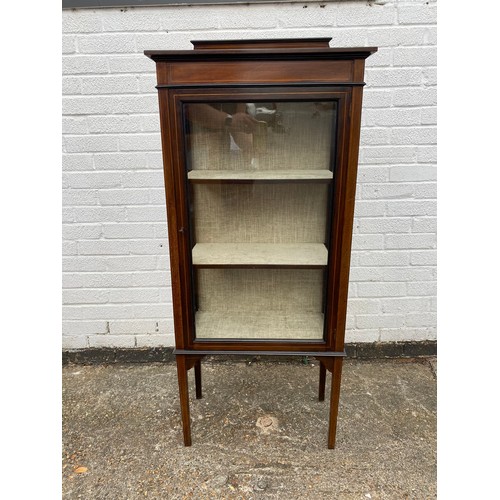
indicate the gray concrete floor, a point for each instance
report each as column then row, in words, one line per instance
column 122, row 424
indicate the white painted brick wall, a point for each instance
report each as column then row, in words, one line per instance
column 116, row 283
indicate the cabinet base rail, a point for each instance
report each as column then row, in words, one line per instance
column 206, row 352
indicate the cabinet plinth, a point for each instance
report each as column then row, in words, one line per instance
column 260, row 142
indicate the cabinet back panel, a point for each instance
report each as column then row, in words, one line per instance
column 260, row 303
column 260, row 213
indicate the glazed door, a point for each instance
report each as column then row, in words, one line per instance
column 259, row 175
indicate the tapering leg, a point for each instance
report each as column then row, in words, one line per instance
column 334, row 400
column 322, row 381
column 197, row 378
column 182, row 377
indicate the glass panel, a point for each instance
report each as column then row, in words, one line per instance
column 260, row 178
column 264, row 137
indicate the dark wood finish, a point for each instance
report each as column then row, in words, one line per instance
column 184, row 363
column 192, row 360
column 231, row 71
column 280, row 50
column 334, row 366
column 182, row 377
column 197, row 376
column 255, row 352
column 285, row 60
column 334, row 401
column 285, row 43
column 260, row 71
column 322, row 381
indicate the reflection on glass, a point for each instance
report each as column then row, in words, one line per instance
column 260, row 177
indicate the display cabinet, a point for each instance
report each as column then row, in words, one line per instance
column 260, row 148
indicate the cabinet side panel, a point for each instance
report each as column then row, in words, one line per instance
column 336, row 219
column 347, row 208
column 172, row 215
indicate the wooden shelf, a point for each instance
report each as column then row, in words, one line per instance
column 207, row 176
column 308, row 255
column 263, row 325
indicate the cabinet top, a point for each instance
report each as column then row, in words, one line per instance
column 262, row 49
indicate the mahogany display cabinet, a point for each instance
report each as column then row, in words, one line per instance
column 260, row 148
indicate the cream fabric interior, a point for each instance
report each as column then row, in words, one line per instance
column 262, row 303
column 260, row 213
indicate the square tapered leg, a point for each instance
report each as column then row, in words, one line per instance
column 197, row 379
column 322, row 381
column 334, row 401
column 182, row 376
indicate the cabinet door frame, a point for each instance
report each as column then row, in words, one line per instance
column 176, row 184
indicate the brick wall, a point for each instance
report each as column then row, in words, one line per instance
column 116, row 281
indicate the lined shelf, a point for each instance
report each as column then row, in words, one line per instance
column 309, row 255
column 262, row 325
column 207, row 176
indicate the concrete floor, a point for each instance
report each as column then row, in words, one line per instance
column 122, row 424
